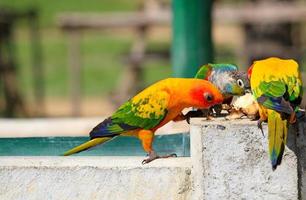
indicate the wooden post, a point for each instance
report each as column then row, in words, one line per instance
column 75, row 71
column 131, row 82
column 39, row 84
column 13, row 102
column 192, row 41
column 281, row 39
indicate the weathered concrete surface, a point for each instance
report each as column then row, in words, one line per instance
column 301, row 152
column 230, row 161
column 109, row 178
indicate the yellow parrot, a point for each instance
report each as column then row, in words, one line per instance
column 277, row 86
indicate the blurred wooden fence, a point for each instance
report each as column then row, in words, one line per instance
column 74, row 24
column 13, row 99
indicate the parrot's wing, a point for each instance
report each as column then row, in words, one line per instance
column 141, row 112
column 273, row 88
column 145, row 111
column 278, row 104
column 206, row 70
column 224, row 67
column 272, row 97
column 108, row 128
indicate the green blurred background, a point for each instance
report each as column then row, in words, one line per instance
column 104, row 53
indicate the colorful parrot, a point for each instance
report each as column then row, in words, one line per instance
column 277, row 86
column 227, row 79
column 152, row 108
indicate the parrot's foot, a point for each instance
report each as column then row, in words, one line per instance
column 208, row 114
column 292, row 118
column 217, row 109
column 154, row 156
column 193, row 113
column 259, row 125
column 210, row 118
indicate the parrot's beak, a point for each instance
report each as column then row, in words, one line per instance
column 248, row 90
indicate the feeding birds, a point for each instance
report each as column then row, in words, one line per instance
column 227, row 79
column 152, row 108
column 277, row 86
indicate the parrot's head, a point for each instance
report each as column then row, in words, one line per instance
column 235, row 83
column 204, row 95
column 226, row 77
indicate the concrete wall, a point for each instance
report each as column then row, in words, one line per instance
column 102, row 178
column 301, row 153
column 229, row 160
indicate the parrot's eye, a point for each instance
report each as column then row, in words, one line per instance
column 240, row 83
column 208, row 97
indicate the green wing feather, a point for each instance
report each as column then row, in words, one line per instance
column 295, row 87
column 280, row 95
column 273, row 88
column 145, row 112
column 224, row 66
column 291, row 86
column 205, row 70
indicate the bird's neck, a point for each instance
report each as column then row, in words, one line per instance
column 220, row 80
column 187, row 94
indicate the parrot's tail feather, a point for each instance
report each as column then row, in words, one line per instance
column 277, row 128
column 87, row 145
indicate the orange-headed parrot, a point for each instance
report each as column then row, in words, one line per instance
column 277, row 86
column 152, row 108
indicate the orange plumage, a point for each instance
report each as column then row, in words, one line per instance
column 152, row 108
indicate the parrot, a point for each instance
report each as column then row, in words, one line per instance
column 227, row 79
column 150, row 109
column 277, row 87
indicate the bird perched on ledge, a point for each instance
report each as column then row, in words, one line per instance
column 152, row 108
column 227, row 79
column 277, row 86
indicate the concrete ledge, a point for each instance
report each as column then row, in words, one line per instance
column 94, row 178
column 90, row 161
column 229, row 160
column 232, row 162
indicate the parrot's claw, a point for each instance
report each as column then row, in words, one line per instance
column 193, row 113
column 292, row 118
column 210, row 118
column 188, row 120
column 259, row 125
column 154, row 156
